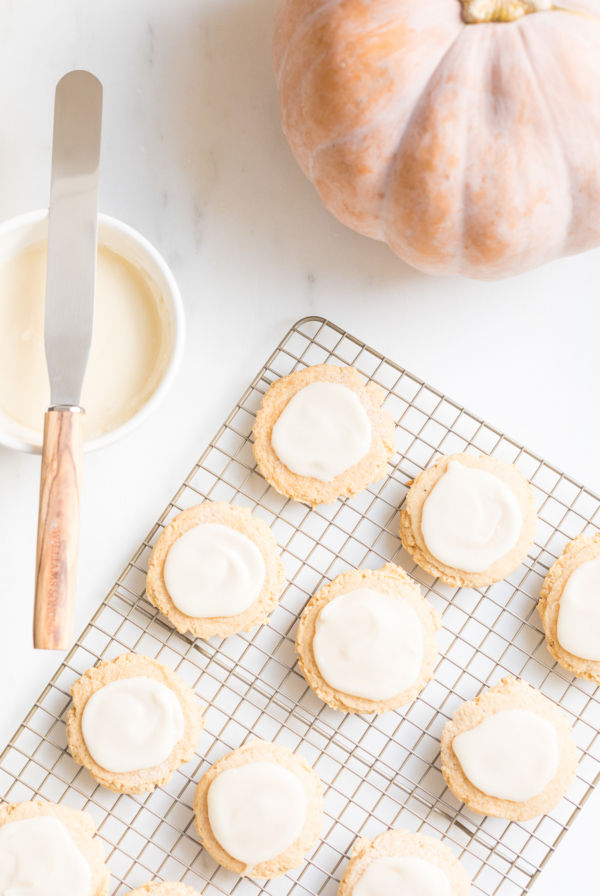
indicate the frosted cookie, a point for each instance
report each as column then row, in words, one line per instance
column 321, row 434
column 401, row 862
column 215, row 571
column 570, row 607
column 469, row 520
column 509, row 752
column 132, row 723
column 259, row 809
column 366, row 641
column 164, row 888
column 50, row 850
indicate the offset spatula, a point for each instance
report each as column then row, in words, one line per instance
column 70, row 288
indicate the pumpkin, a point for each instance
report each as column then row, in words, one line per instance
column 463, row 133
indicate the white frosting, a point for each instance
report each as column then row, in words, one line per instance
column 38, row 858
column 256, row 811
column 512, row 755
column 322, row 431
column 471, row 519
column 132, row 724
column 402, row 876
column 212, row 570
column 131, row 344
column 578, row 628
column 368, row 644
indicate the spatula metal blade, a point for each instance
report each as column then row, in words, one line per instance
column 72, row 234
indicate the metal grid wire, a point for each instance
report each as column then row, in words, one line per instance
column 378, row 771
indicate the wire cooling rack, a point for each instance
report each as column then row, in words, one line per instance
column 378, row 771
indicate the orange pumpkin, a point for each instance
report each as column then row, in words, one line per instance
column 464, row 133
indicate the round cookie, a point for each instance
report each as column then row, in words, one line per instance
column 509, row 693
column 402, row 843
column 411, row 517
column 81, row 829
column 164, row 888
column 240, row 520
column 355, row 479
column 130, row 665
column 390, row 580
column 578, row 551
column 262, row 751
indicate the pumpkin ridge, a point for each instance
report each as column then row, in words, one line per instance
column 557, row 130
column 477, row 247
column 324, row 10
column 307, row 23
column 475, row 242
column 389, row 172
column 387, row 199
column 316, row 61
column 363, row 131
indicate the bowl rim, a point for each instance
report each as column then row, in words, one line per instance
column 175, row 304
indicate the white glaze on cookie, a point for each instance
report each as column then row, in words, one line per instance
column 309, row 490
column 256, row 811
column 508, row 694
column 405, row 875
column 390, row 581
column 39, row 858
column 81, row 830
column 240, row 520
column 368, row 644
column 214, row 571
column 471, row 519
column 511, row 755
column 578, row 626
column 323, row 431
column 254, row 751
column 132, row 724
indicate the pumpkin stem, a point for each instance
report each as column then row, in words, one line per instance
column 475, row 12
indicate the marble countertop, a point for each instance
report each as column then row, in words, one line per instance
column 194, row 158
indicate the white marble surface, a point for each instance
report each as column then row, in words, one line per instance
column 194, row 158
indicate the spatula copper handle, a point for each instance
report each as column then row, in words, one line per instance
column 58, row 528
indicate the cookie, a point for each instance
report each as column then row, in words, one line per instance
column 239, row 522
column 391, row 582
column 403, row 844
column 499, row 544
column 508, row 695
column 262, row 752
column 164, row 888
column 163, row 712
column 552, row 606
column 348, row 427
column 81, row 829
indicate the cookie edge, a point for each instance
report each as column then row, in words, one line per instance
column 351, row 482
column 549, row 607
column 311, row 832
column 482, row 803
column 429, row 617
column 412, row 536
column 144, row 780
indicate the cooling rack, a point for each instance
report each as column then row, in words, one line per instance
column 378, row 772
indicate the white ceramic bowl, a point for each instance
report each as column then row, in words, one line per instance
column 18, row 233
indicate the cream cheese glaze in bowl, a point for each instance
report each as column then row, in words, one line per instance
column 139, row 333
